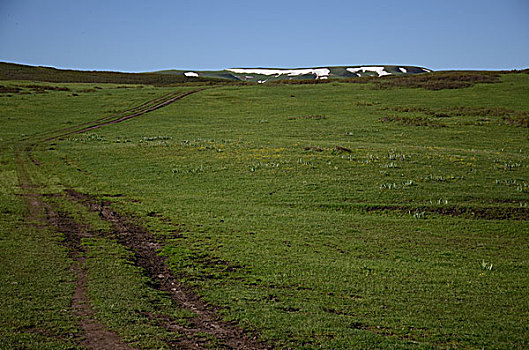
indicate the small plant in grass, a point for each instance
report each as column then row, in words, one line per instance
column 439, row 201
column 301, row 161
column 191, row 171
column 92, row 137
column 521, row 185
column 391, row 165
column 486, row 267
column 388, row 186
column 370, row 158
column 397, row 156
column 409, row 183
column 507, row 182
column 253, row 167
column 417, row 214
column 524, row 188
column 441, row 178
column 510, row 166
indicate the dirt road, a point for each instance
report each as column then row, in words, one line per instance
column 132, row 236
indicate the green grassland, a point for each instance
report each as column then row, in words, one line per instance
column 332, row 216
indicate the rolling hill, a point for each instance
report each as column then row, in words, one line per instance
column 13, row 71
column 380, row 76
column 263, row 75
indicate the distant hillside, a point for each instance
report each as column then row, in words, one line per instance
column 379, row 76
column 263, row 75
column 12, row 71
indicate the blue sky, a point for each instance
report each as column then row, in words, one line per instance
column 198, row 34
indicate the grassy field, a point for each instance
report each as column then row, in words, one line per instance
column 333, row 216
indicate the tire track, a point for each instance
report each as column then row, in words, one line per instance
column 145, row 248
column 132, row 236
column 120, row 117
column 95, row 334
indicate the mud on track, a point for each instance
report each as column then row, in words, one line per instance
column 134, row 237
column 95, row 334
column 145, row 248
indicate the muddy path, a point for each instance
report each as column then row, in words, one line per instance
column 135, row 238
column 146, row 255
column 95, row 335
column 41, row 214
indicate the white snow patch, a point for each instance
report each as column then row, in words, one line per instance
column 403, row 70
column 320, row 73
column 379, row 70
column 191, row 74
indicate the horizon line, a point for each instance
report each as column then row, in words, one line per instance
column 255, row 67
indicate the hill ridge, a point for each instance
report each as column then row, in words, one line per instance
column 266, row 74
column 15, row 71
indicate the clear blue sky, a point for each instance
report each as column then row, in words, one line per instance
column 150, row 35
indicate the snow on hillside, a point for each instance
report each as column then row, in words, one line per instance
column 264, row 75
column 320, row 73
column 379, row 70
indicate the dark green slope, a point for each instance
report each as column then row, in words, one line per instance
column 13, row 71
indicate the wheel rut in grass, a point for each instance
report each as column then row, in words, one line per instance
column 146, row 253
column 204, row 326
column 95, row 334
column 121, row 117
